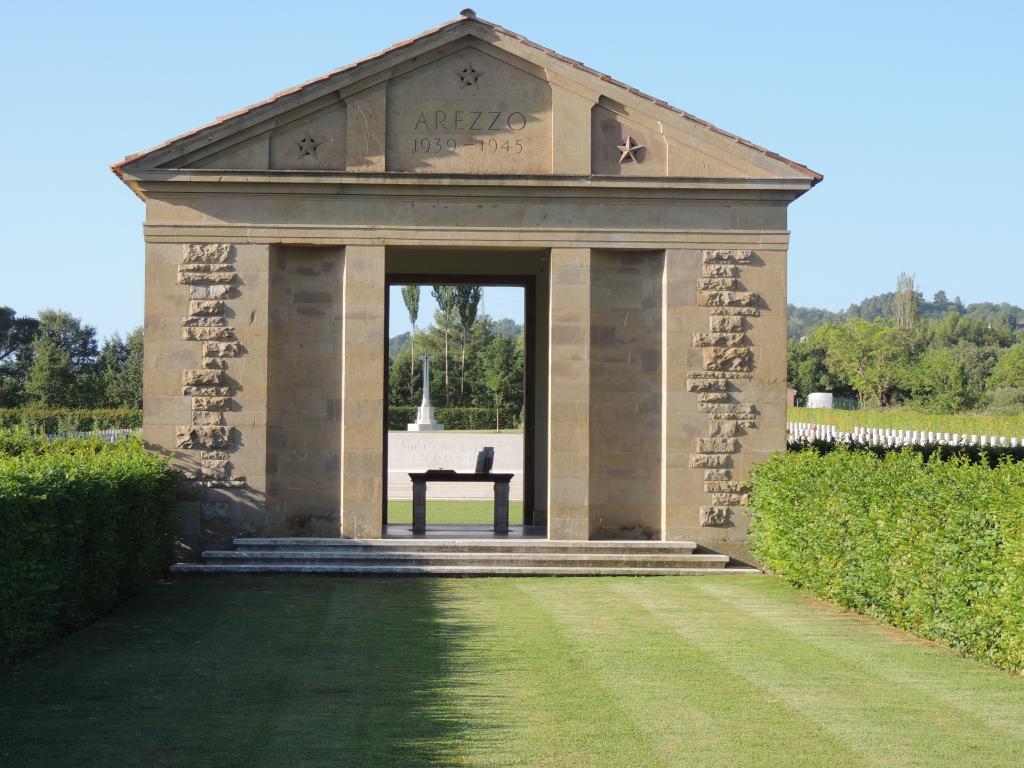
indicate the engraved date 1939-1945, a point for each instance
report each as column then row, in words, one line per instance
column 435, row 145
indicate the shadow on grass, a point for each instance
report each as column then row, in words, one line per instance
column 251, row 672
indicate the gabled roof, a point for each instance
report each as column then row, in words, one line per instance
column 469, row 23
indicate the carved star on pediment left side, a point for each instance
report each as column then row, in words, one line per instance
column 631, row 151
column 468, row 75
column 307, row 146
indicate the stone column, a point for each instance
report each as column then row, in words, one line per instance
column 681, row 486
column 362, row 393
column 569, row 395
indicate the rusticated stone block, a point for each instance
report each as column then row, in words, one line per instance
column 738, row 499
column 714, row 517
column 716, row 284
column 211, row 403
column 188, row 276
column 727, row 299
column 707, row 385
column 729, row 410
column 710, row 460
column 205, row 307
column 207, row 418
column 201, row 378
column 719, row 428
column 736, row 311
column 727, row 256
column 713, row 397
column 202, row 437
column 203, row 322
column 214, row 455
column 207, row 253
column 728, row 359
column 717, row 474
column 209, row 291
column 213, row 469
column 207, row 333
column 724, row 486
column 719, row 270
column 215, row 363
column 222, row 349
column 207, row 391
column 727, row 324
column 719, row 339
column 208, row 268
column 717, row 445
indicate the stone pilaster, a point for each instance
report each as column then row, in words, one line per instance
column 362, row 392
column 569, row 395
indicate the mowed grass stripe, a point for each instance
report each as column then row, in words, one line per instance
column 693, row 709
column 888, row 724
column 988, row 695
column 557, row 711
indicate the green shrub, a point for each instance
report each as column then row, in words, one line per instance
column 932, row 546
column 83, row 525
column 456, row 418
column 51, row 421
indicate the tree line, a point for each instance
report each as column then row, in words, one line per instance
column 949, row 361
column 55, row 360
column 476, row 361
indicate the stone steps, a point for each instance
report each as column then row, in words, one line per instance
column 461, row 557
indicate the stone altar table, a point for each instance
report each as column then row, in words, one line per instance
column 501, row 482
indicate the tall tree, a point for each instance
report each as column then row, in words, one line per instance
column 467, row 299
column 503, row 372
column 120, row 371
column 411, row 297
column 51, row 380
column 873, row 356
column 16, row 334
column 444, row 295
column 906, row 303
column 64, row 358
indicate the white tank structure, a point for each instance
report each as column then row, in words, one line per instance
column 819, row 400
column 425, row 413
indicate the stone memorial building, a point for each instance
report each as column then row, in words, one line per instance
column 650, row 244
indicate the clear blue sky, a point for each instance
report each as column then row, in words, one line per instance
column 913, row 112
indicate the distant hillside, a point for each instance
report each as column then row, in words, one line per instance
column 802, row 319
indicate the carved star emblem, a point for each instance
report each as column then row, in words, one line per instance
column 631, row 151
column 308, row 146
column 468, row 75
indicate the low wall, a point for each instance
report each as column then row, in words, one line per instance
column 420, row 451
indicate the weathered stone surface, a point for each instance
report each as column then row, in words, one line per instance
column 209, row 291
column 706, row 385
column 736, row 311
column 725, row 410
column 728, row 359
column 724, row 486
column 207, row 333
column 710, row 460
column 201, row 378
column 727, row 299
column 737, row 499
column 203, row 322
column 202, row 437
column 717, row 474
column 727, row 324
column 717, row 445
column 208, row 418
column 214, row 469
column 208, row 268
column 215, row 363
column 205, row 307
column 207, row 253
column 724, row 428
column 207, row 391
column 216, row 511
column 719, row 339
column 716, row 284
column 720, row 270
column 211, row 403
column 188, row 276
column 713, row 397
column 214, row 455
column 729, row 257
column 714, row 516
column 222, row 349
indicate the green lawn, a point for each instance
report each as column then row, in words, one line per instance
column 700, row 671
column 454, row 512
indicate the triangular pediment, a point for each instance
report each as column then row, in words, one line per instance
column 468, row 98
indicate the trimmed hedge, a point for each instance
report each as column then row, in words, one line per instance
column 54, row 420
column 934, row 547
column 454, row 418
column 83, row 525
column 991, row 455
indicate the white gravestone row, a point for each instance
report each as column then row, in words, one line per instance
column 802, row 432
